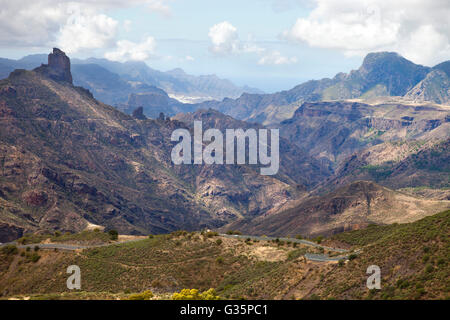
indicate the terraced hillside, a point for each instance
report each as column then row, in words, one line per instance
column 413, row 259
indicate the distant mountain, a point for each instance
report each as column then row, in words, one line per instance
column 333, row 131
column 435, row 87
column 443, row 66
column 405, row 164
column 381, row 74
column 153, row 102
column 112, row 82
column 175, row 82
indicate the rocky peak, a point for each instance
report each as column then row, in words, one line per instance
column 138, row 113
column 58, row 67
column 392, row 70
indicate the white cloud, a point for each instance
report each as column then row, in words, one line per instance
column 160, row 6
column 127, row 50
column 224, row 38
column 275, row 58
column 73, row 24
column 225, row 41
column 189, row 58
column 418, row 30
column 87, row 32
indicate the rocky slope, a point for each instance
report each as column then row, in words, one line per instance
column 333, row 131
column 435, row 87
column 68, row 160
column 350, row 207
column 297, row 167
column 397, row 165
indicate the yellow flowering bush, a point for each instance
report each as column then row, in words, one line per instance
column 194, row 294
column 146, row 295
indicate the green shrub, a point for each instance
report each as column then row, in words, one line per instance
column 211, row 234
column 146, row 295
column 35, row 257
column 113, row 234
column 352, row 256
column 318, row 239
column 219, row 260
column 219, row 242
column 429, row 268
column 10, row 249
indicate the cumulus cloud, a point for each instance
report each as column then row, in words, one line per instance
column 225, row 41
column 127, row 50
column 71, row 24
column 224, row 38
column 87, row 31
column 419, row 30
column 275, row 58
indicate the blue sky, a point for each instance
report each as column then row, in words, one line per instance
column 269, row 44
column 258, row 20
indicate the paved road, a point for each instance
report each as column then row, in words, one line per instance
column 63, row 246
column 309, row 256
column 323, row 257
column 305, row 242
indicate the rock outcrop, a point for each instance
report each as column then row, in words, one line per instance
column 138, row 113
column 58, row 67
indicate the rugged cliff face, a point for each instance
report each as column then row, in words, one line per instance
column 333, row 131
column 350, row 207
column 67, row 160
column 435, row 87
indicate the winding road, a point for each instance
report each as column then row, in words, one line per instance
column 309, row 256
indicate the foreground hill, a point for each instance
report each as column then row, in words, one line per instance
column 413, row 259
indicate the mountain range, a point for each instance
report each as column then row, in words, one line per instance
column 382, row 74
column 69, row 161
column 112, row 82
